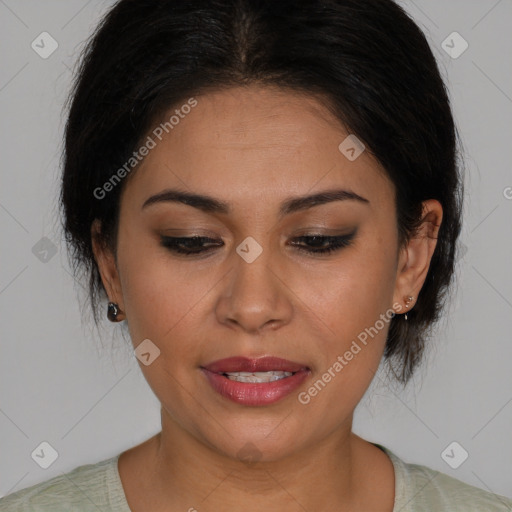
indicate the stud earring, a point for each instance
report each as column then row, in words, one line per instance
column 112, row 311
column 407, row 301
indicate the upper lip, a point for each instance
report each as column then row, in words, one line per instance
column 261, row 364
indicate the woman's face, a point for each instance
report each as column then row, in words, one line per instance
column 255, row 149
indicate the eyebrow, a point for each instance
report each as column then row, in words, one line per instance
column 291, row 205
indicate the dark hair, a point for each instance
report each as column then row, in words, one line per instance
column 366, row 60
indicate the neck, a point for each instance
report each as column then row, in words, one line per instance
column 191, row 474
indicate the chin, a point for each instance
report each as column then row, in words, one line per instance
column 252, row 440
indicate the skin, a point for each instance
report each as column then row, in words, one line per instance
column 253, row 148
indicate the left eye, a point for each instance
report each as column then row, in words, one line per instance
column 318, row 244
column 324, row 244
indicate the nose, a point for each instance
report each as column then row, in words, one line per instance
column 255, row 296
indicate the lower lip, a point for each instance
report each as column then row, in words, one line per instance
column 251, row 393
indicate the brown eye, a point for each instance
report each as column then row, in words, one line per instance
column 319, row 244
column 189, row 245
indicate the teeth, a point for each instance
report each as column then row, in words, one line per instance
column 257, row 376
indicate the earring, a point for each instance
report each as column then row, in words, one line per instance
column 407, row 300
column 112, row 311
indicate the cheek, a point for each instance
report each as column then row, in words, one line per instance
column 163, row 305
column 354, row 301
column 158, row 294
column 351, row 292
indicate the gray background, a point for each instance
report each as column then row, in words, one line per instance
column 87, row 398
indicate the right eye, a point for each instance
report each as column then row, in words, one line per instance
column 189, row 245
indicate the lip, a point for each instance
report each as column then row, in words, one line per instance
column 251, row 393
column 261, row 364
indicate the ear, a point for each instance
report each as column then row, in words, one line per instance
column 414, row 258
column 107, row 266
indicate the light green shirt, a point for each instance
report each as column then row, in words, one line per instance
column 97, row 487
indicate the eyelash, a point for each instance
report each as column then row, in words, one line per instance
column 337, row 243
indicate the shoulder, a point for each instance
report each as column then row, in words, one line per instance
column 419, row 488
column 90, row 487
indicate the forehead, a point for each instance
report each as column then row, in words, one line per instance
column 254, row 143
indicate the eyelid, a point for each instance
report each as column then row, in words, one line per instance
column 335, row 244
column 216, row 236
column 322, row 231
column 336, row 240
column 192, row 232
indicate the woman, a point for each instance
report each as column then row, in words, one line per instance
column 268, row 194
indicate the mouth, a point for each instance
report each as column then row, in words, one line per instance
column 257, row 377
column 255, row 382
